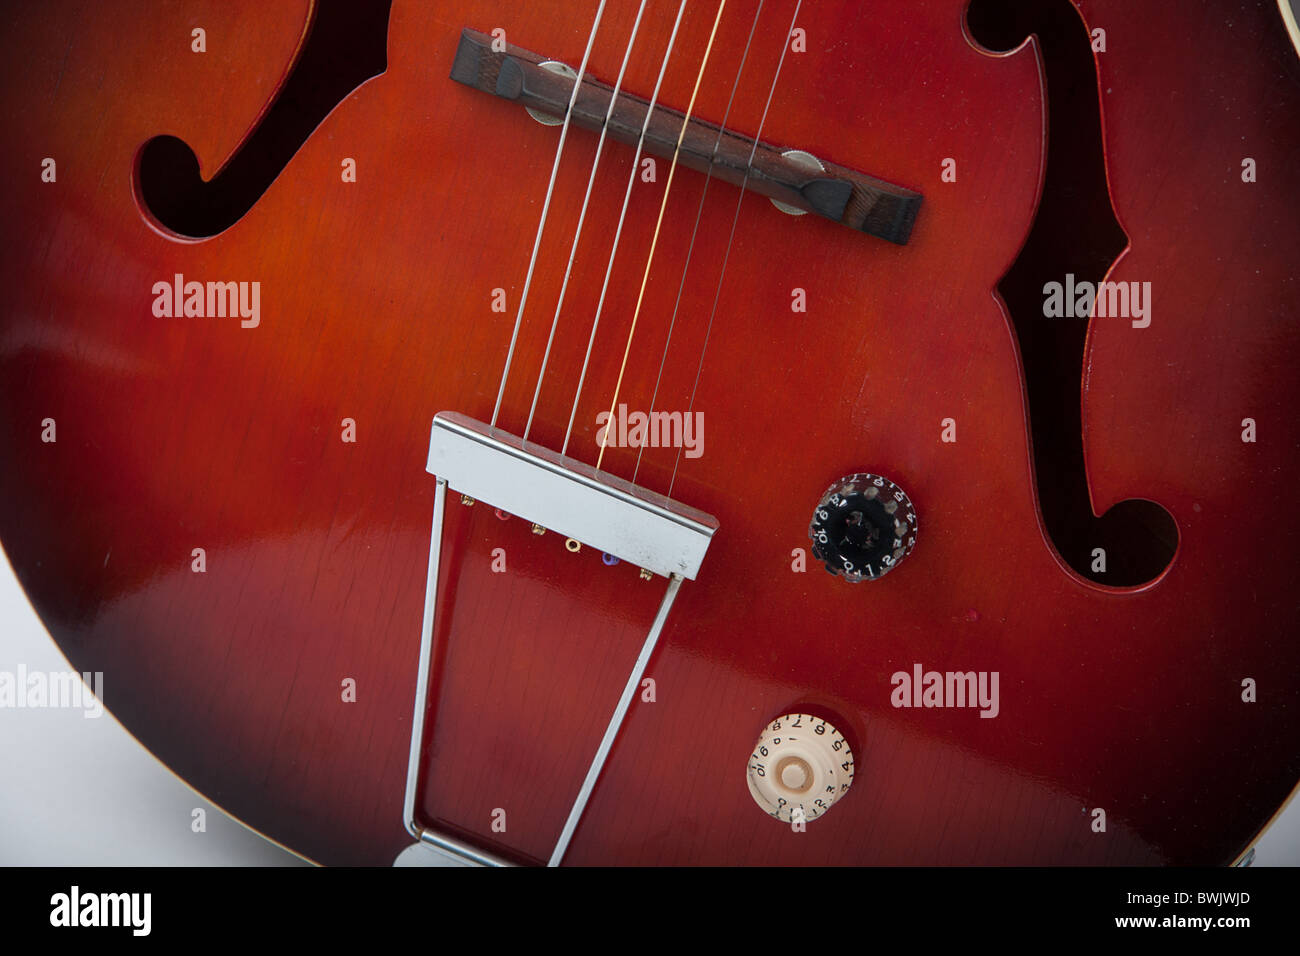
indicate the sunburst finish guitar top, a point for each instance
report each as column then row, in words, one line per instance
column 252, row 250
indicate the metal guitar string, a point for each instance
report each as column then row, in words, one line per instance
column 735, row 219
column 546, row 206
column 674, row 580
column 699, row 213
column 618, row 233
column 573, row 250
column 654, row 239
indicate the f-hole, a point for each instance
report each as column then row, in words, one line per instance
column 345, row 44
column 1075, row 231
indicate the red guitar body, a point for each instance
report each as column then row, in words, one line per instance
column 179, row 433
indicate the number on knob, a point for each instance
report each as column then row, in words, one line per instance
column 800, row 762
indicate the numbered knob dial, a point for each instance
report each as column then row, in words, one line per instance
column 863, row 527
column 800, row 766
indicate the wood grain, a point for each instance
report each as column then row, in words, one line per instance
column 181, row 433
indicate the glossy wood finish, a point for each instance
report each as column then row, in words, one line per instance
column 182, row 433
column 841, row 195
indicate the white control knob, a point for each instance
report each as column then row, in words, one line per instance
column 800, row 766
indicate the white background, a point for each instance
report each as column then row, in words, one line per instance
column 82, row 791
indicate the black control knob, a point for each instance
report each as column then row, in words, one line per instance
column 863, row 527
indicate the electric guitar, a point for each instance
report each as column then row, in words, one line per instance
column 679, row 432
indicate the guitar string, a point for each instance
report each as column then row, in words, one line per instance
column 735, row 219
column 618, row 232
column 573, row 250
column 546, row 206
column 654, row 239
column 699, row 213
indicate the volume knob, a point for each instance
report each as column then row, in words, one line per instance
column 863, row 527
column 800, row 766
